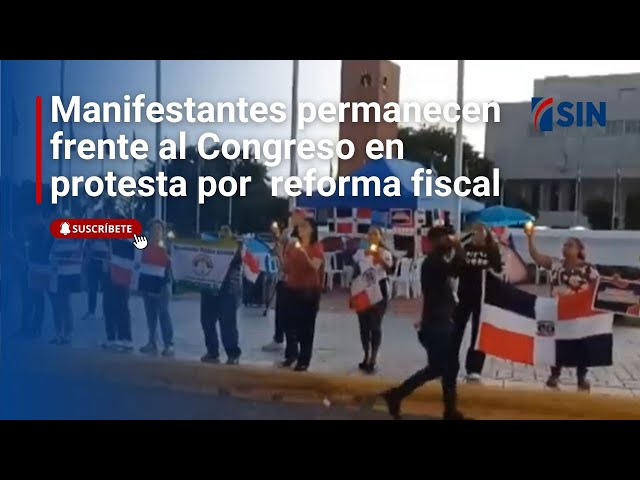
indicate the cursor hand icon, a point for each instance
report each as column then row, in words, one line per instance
column 140, row 242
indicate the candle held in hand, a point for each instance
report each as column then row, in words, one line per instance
column 373, row 247
column 528, row 227
column 298, row 244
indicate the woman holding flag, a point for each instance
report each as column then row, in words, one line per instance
column 376, row 260
column 570, row 274
column 156, row 305
column 480, row 254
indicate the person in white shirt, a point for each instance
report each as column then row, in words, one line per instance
column 375, row 258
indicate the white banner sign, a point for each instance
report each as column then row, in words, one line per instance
column 201, row 265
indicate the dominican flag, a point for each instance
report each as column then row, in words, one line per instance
column 250, row 266
column 546, row 331
column 365, row 291
column 140, row 270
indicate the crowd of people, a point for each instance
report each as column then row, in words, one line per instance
column 451, row 280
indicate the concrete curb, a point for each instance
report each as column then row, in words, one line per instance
column 481, row 402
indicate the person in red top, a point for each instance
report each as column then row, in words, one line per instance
column 303, row 267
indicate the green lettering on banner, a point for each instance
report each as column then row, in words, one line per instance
column 202, row 264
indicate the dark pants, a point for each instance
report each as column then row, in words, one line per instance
column 220, row 309
column 581, row 372
column 282, row 293
column 156, row 308
column 370, row 323
column 32, row 310
column 300, row 326
column 475, row 359
column 115, row 307
column 95, row 276
column 62, row 316
column 436, row 340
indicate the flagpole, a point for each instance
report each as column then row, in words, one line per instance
column 158, row 200
column 459, row 148
column 293, row 170
column 60, row 124
column 614, row 202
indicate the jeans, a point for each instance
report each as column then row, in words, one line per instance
column 475, row 359
column 436, row 340
column 301, row 326
column 370, row 322
column 156, row 308
column 115, row 307
column 220, row 309
column 62, row 315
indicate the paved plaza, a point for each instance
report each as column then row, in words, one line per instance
column 337, row 345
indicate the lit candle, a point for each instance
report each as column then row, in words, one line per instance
column 528, row 227
column 373, row 247
column 298, row 244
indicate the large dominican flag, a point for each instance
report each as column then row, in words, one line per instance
column 139, row 270
column 525, row 328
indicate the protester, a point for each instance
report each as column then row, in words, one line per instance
column 376, row 257
column 221, row 308
column 96, row 253
column 436, row 326
column 117, row 314
column 156, row 305
column 570, row 274
column 66, row 259
column 304, row 273
column 481, row 253
column 32, row 249
column 281, row 240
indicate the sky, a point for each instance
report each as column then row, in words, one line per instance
column 266, row 80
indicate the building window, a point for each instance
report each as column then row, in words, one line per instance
column 614, row 128
column 385, row 83
column 554, row 200
column 365, row 80
column 632, row 127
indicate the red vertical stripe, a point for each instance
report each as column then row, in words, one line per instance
column 505, row 344
column 38, row 150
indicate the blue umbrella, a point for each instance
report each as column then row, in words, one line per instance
column 499, row 216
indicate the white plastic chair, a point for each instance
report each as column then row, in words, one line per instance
column 542, row 272
column 401, row 279
column 416, row 281
column 331, row 270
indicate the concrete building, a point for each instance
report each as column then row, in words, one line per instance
column 369, row 81
column 552, row 172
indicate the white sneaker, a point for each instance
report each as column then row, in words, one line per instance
column 273, row 347
column 473, row 378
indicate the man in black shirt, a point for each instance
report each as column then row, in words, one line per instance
column 434, row 330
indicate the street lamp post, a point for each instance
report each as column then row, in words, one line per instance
column 459, row 147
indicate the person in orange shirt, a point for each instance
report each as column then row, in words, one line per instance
column 303, row 267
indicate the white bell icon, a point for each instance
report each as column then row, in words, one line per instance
column 64, row 229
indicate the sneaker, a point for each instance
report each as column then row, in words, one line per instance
column 273, row 347
column 454, row 415
column 233, row 361
column 473, row 378
column 584, row 386
column 125, row 346
column 287, row 363
column 168, row 351
column 56, row 341
column 393, row 404
column 552, row 382
column 209, row 359
column 149, row 349
column 300, row 368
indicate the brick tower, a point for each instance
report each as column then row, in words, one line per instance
column 367, row 81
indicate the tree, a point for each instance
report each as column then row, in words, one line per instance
column 434, row 146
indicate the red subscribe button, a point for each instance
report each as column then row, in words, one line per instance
column 95, row 228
